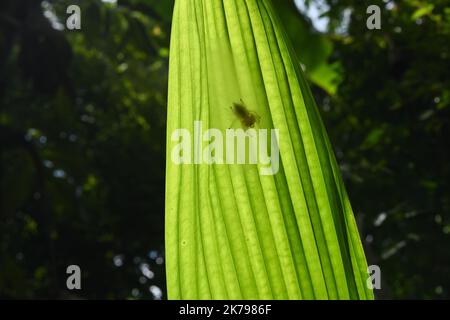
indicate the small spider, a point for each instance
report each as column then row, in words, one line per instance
column 247, row 117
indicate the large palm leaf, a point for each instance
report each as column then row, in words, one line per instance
column 231, row 232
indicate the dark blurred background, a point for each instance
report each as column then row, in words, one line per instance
column 82, row 130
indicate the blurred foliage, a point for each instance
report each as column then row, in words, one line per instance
column 313, row 48
column 82, row 129
column 389, row 123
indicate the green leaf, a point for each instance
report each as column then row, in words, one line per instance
column 314, row 49
column 231, row 232
column 424, row 10
column 327, row 76
column 373, row 138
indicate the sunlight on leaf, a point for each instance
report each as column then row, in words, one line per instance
column 424, row 10
column 232, row 233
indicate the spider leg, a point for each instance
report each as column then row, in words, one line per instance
column 233, row 123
